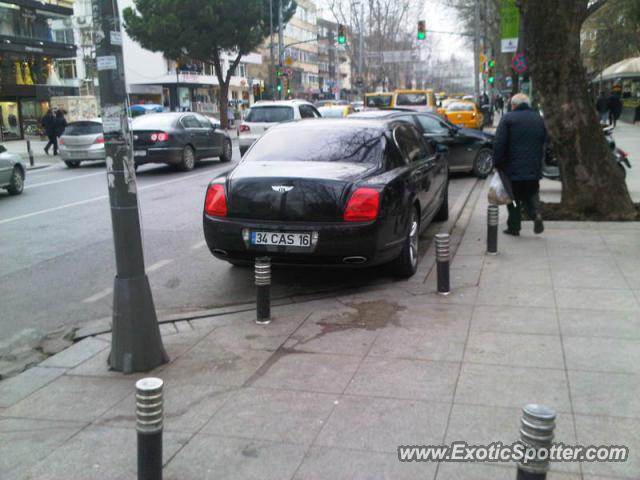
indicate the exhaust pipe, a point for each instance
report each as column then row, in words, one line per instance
column 354, row 260
column 222, row 253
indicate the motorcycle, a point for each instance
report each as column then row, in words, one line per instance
column 551, row 170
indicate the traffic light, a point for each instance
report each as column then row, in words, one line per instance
column 491, row 77
column 279, row 86
column 422, row 30
column 342, row 36
column 492, row 63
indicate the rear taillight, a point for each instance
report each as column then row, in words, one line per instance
column 215, row 203
column 244, row 128
column 61, row 141
column 100, row 139
column 362, row 206
column 473, row 115
column 159, row 137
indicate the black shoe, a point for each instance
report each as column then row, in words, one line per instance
column 509, row 232
column 46, row 151
column 538, row 226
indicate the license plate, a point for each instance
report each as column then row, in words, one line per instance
column 76, row 154
column 139, row 153
column 281, row 239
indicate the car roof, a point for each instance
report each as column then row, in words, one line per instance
column 337, row 123
column 287, row 103
column 389, row 113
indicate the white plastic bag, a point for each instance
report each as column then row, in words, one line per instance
column 498, row 194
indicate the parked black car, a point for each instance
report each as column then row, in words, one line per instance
column 469, row 150
column 179, row 139
column 354, row 193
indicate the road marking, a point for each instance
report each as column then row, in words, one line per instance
column 198, row 245
column 97, row 296
column 158, row 265
column 101, row 197
column 51, row 182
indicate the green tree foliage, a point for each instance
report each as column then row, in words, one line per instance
column 202, row 29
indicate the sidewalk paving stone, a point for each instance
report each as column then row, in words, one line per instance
column 322, row 463
column 209, row 457
column 420, row 344
column 286, row 416
column 597, row 299
column 21, row 386
column 504, row 319
column 602, row 354
column 76, row 354
column 613, row 394
column 514, row 349
column 599, row 323
column 595, row 272
column 381, row 424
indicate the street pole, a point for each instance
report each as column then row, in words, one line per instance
column 280, row 42
column 476, row 51
column 360, row 49
column 272, row 69
column 136, row 345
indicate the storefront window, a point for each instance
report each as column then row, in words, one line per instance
column 32, row 113
column 185, row 98
column 9, row 19
column 9, row 120
column 18, row 69
column 32, row 23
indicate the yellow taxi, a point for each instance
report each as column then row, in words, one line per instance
column 442, row 109
column 415, row 99
column 336, row 111
column 464, row 114
column 379, row 100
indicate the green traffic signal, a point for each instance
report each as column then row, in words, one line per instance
column 342, row 39
column 492, row 80
column 492, row 63
column 279, row 87
column 421, row 36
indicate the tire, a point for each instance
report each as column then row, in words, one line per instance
column 227, row 152
column 243, row 150
column 239, row 264
column 443, row 211
column 188, row 159
column 16, row 184
column 483, row 163
column 72, row 163
column 407, row 262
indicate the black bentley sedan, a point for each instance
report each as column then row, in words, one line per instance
column 342, row 193
column 179, row 139
column 469, row 150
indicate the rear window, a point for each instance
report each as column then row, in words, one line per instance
column 83, row 128
column 460, row 107
column 328, row 112
column 273, row 114
column 318, row 144
column 377, row 101
column 153, row 120
column 411, row 99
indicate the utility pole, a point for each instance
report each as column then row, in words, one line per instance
column 280, row 42
column 273, row 67
column 360, row 50
column 476, row 51
column 136, row 344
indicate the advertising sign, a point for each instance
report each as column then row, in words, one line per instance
column 509, row 25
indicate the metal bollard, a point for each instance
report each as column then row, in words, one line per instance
column 149, row 419
column 30, row 152
column 442, row 262
column 263, row 290
column 492, row 229
column 536, row 430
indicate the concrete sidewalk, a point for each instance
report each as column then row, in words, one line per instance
column 333, row 386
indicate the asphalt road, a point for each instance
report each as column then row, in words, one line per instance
column 57, row 249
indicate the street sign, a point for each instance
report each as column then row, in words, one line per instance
column 519, row 63
column 509, row 25
column 483, row 58
column 288, row 61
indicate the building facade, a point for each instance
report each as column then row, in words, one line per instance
column 37, row 62
column 301, row 59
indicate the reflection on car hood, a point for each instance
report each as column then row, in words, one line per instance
column 470, row 132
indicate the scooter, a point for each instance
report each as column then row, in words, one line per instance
column 551, row 170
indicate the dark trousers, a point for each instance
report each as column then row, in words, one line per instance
column 53, row 140
column 527, row 195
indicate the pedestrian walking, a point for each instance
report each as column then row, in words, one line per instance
column 60, row 124
column 614, row 104
column 48, row 123
column 230, row 117
column 518, row 152
column 602, row 106
column 500, row 104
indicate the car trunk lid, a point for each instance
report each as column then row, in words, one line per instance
column 292, row 191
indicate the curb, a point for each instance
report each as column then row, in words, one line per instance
column 103, row 325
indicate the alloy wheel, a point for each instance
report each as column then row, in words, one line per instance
column 413, row 240
column 484, row 163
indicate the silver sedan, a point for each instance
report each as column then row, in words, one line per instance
column 82, row 141
column 12, row 172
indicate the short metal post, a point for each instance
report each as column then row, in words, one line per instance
column 30, row 152
column 492, row 229
column 536, row 431
column 442, row 262
column 149, row 420
column 263, row 290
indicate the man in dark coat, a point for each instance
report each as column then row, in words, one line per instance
column 615, row 108
column 49, row 125
column 602, row 106
column 60, row 123
column 518, row 152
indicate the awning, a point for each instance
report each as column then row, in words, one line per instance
column 625, row 69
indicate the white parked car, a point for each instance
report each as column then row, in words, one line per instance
column 81, row 141
column 266, row 113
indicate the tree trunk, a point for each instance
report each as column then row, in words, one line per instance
column 223, row 101
column 592, row 183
